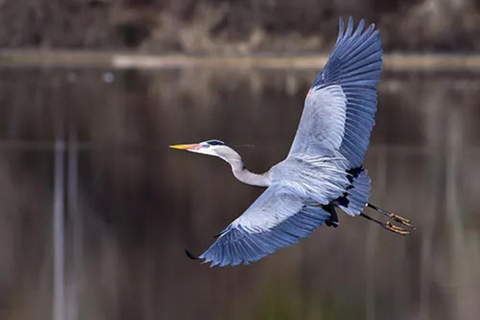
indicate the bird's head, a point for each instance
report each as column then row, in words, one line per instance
column 215, row 148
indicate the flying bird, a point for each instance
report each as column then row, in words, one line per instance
column 323, row 169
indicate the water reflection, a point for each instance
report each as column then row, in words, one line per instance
column 132, row 205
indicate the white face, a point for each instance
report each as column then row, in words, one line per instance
column 210, row 147
column 204, row 148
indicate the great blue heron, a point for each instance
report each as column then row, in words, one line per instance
column 323, row 169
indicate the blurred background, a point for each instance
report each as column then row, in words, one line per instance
column 95, row 210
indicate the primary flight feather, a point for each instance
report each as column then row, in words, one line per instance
column 323, row 169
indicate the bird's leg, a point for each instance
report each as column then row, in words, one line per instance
column 389, row 226
column 392, row 216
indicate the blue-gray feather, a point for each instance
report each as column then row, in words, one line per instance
column 355, row 65
column 248, row 241
column 358, row 194
column 287, row 211
column 324, row 163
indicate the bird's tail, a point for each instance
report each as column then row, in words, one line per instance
column 357, row 195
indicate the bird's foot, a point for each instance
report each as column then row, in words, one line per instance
column 402, row 220
column 393, row 216
column 393, row 228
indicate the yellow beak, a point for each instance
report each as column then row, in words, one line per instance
column 184, row 146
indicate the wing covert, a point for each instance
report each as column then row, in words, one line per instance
column 322, row 125
column 353, row 66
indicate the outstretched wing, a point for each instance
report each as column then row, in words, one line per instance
column 340, row 107
column 277, row 219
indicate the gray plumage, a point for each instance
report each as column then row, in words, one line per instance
column 323, row 167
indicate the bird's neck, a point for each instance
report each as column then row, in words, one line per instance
column 246, row 176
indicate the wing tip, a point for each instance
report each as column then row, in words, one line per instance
column 340, row 29
column 192, row 255
column 359, row 29
column 347, row 33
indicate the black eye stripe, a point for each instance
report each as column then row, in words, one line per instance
column 215, row 143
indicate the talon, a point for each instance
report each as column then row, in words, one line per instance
column 402, row 220
column 394, row 217
column 396, row 229
column 397, row 217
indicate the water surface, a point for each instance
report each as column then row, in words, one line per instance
column 131, row 205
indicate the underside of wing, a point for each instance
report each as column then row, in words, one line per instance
column 277, row 219
column 352, row 70
column 322, row 126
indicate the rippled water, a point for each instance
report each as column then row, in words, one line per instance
column 131, row 205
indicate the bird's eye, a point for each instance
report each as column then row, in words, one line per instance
column 206, row 146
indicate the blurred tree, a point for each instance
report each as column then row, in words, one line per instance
column 234, row 26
